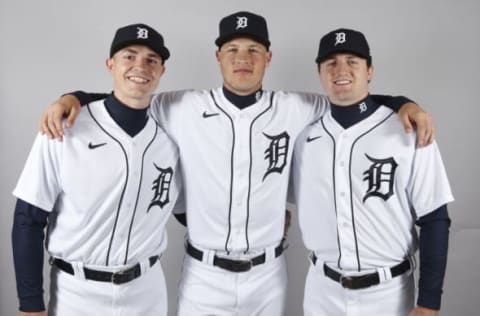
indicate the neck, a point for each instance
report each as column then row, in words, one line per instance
column 137, row 104
column 242, row 101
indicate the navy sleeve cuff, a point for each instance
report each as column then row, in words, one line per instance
column 430, row 299
column 32, row 304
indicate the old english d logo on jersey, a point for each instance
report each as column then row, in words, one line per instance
column 276, row 153
column 161, row 187
column 380, row 177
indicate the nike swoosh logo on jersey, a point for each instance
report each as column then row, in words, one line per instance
column 93, row 146
column 207, row 115
column 311, row 139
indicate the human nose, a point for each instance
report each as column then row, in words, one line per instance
column 341, row 67
column 141, row 63
column 242, row 57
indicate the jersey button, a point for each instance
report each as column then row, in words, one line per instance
column 342, row 194
column 345, row 224
column 342, row 164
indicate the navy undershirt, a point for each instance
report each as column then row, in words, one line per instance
column 129, row 119
column 354, row 113
column 242, row 101
column 29, row 223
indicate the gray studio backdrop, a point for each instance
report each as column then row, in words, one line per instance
column 425, row 49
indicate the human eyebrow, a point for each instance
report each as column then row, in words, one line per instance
column 154, row 56
column 130, row 50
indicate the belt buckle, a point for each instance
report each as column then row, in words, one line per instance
column 118, row 277
column 346, row 282
column 241, row 265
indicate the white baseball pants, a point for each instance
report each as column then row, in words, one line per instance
column 73, row 296
column 325, row 297
column 209, row 290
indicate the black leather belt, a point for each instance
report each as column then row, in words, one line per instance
column 104, row 276
column 233, row 265
column 361, row 281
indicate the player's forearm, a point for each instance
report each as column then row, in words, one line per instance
column 392, row 102
column 87, row 97
column 434, row 232
column 27, row 244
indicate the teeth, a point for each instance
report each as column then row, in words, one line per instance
column 138, row 79
column 342, row 82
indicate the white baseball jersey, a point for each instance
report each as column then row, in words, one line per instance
column 111, row 194
column 237, row 162
column 359, row 190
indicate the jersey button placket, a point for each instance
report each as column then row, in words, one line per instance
column 240, row 183
column 342, row 189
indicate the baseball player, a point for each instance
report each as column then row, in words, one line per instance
column 236, row 143
column 104, row 194
column 361, row 184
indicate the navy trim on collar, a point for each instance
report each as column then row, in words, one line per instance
column 132, row 121
column 354, row 113
column 242, row 101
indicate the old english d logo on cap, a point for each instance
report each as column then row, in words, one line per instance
column 340, row 38
column 243, row 24
column 139, row 34
column 142, row 32
column 343, row 41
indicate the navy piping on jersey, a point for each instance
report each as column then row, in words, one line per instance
column 350, row 179
column 334, row 189
column 138, row 193
column 124, row 186
column 231, row 170
column 250, row 170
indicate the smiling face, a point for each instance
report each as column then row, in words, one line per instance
column 243, row 62
column 345, row 78
column 136, row 71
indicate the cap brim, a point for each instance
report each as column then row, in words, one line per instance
column 320, row 59
column 223, row 39
column 160, row 50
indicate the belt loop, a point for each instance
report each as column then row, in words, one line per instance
column 208, row 256
column 384, row 274
column 78, row 271
column 144, row 265
column 270, row 253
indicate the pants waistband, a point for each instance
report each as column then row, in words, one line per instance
column 233, row 265
column 362, row 281
column 119, row 277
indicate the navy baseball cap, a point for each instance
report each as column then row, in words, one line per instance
column 140, row 34
column 241, row 24
column 343, row 41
